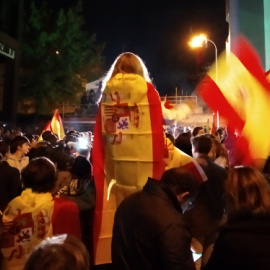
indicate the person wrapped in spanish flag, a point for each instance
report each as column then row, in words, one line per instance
column 129, row 143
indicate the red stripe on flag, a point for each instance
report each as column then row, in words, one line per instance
column 98, row 154
column 250, row 59
column 157, row 131
column 214, row 98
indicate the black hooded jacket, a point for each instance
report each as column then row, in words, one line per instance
column 149, row 231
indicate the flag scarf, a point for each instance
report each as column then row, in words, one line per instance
column 32, row 217
column 26, row 222
column 241, row 95
column 128, row 148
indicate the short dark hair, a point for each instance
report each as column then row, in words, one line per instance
column 57, row 253
column 4, row 148
column 196, row 131
column 39, row 175
column 17, row 141
column 181, row 180
column 202, row 143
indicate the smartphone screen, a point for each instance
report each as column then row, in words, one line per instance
column 196, row 256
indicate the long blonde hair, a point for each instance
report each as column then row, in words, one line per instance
column 247, row 191
column 127, row 63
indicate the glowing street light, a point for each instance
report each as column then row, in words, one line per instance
column 198, row 41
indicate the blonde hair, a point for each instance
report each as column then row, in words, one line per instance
column 247, row 191
column 127, row 63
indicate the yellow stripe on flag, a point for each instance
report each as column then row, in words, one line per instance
column 249, row 99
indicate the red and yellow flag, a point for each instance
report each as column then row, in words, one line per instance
column 128, row 148
column 55, row 126
column 241, row 94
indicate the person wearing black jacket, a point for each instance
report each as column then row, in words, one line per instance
column 243, row 241
column 149, row 231
column 10, row 183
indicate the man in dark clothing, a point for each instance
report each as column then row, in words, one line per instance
column 149, row 231
column 10, row 183
column 208, row 210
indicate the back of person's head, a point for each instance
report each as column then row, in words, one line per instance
column 180, row 180
column 39, row 175
column 62, row 252
column 52, row 139
column 183, row 143
column 17, row 141
column 128, row 62
column 81, row 167
column 197, row 131
column 4, row 148
column 202, row 144
column 61, row 158
column 247, row 192
column 170, row 137
column 46, row 134
column 41, row 149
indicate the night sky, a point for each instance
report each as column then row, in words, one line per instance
column 158, row 31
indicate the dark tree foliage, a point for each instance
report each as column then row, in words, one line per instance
column 58, row 58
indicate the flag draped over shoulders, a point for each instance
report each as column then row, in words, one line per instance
column 128, row 148
column 241, row 94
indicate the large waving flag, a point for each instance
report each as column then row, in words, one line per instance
column 241, row 94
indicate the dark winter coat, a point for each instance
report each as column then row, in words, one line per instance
column 10, row 184
column 149, row 231
column 243, row 243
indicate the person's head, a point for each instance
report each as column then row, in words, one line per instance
column 61, row 158
column 127, row 63
column 4, row 149
column 247, row 192
column 62, row 252
column 197, row 131
column 31, row 139
column 183, row 184
column 46, row 134
column 19, row 143
column 220, row 134
column 41, row 149
column 81, row 167
column 201, row 145
column 183, row 143
column 39, row 175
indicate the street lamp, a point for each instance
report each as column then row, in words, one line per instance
column 198, row 41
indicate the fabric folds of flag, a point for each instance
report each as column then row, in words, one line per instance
column 128, row 148
column 57, row 125
column 241, row 94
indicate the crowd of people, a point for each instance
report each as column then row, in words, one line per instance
column 170, row 217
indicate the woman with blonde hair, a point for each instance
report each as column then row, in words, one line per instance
column 128, row 144
column 243, row 242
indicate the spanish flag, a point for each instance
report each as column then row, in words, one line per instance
column 241, row 94
column 55, row 126
column 128, row 148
